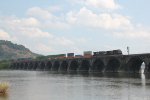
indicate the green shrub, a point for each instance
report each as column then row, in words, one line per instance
column 4, row 64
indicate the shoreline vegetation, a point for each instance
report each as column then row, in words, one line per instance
column 4, row 64
column 3, row 88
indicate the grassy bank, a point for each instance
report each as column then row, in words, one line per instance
column 3, row 88
column 4, row 64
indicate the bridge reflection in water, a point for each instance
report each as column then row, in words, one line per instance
column 137, row 63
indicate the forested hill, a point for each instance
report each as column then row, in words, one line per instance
column 9, row 50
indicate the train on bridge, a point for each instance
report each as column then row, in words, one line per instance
column 86, row 54
column 102, row 61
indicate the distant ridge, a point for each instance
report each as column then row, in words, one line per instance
column 9, row 50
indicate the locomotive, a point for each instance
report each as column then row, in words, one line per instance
column 112, row 52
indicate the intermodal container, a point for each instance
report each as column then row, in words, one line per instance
column 70, row 54
column 78, row 56
column 102, row 52
column 117, row 52
column 109, row 53
column 95, row 53
column 60, row 56
column 86, row 53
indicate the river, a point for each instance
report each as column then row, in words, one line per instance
column 36, row 85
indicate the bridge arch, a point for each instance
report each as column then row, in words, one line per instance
column 48, row 66
column 55, row 66
column 85, row 65
column 25, row 66
column 148, row 68
column 12, row 66
column 98, row 65
column 17, row 66
column 30, row 66
column 64, row 66
column 73, row 65
column 21, row 66
column 36, row 65
column 41, row 66
column 112, row 65
column 134, row 64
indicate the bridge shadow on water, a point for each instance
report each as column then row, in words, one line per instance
column 137, row 79
column 97, row 74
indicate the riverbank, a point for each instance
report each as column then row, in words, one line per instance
column 4, row 64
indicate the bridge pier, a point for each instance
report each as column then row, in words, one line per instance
column 98, row 65
column 55, row 66
column 147, row 67
column 48, row 66
column 64, row 66
column 84, row 66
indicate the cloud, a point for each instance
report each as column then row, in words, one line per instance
column 44, row 48
column 54, row 8
column 27, row 31
column 34, row 33
column 58, row 45
column 20, row 22
column 134, row 33
column 86, row 17
column 25, row 26
column 4, row 35
column 47, row 19
column 99, row 4
column 40, row 13
column 64, row 41
column 81, row 40
column 29, row 22
column 105, row 4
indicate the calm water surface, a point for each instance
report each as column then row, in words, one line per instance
column 32, row 85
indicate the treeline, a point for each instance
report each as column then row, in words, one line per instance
column 4, row 64
column 48, row 57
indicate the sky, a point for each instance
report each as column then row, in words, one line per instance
column 62, row 26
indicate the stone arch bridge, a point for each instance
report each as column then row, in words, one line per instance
column 107, row 63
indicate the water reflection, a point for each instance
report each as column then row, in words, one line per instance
column 143, row 80
column 142, row 68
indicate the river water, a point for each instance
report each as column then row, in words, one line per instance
column 36, row 85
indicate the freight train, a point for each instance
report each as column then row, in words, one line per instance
column 112, row 52
column 87, row 54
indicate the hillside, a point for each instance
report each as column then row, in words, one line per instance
column 9, row 50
